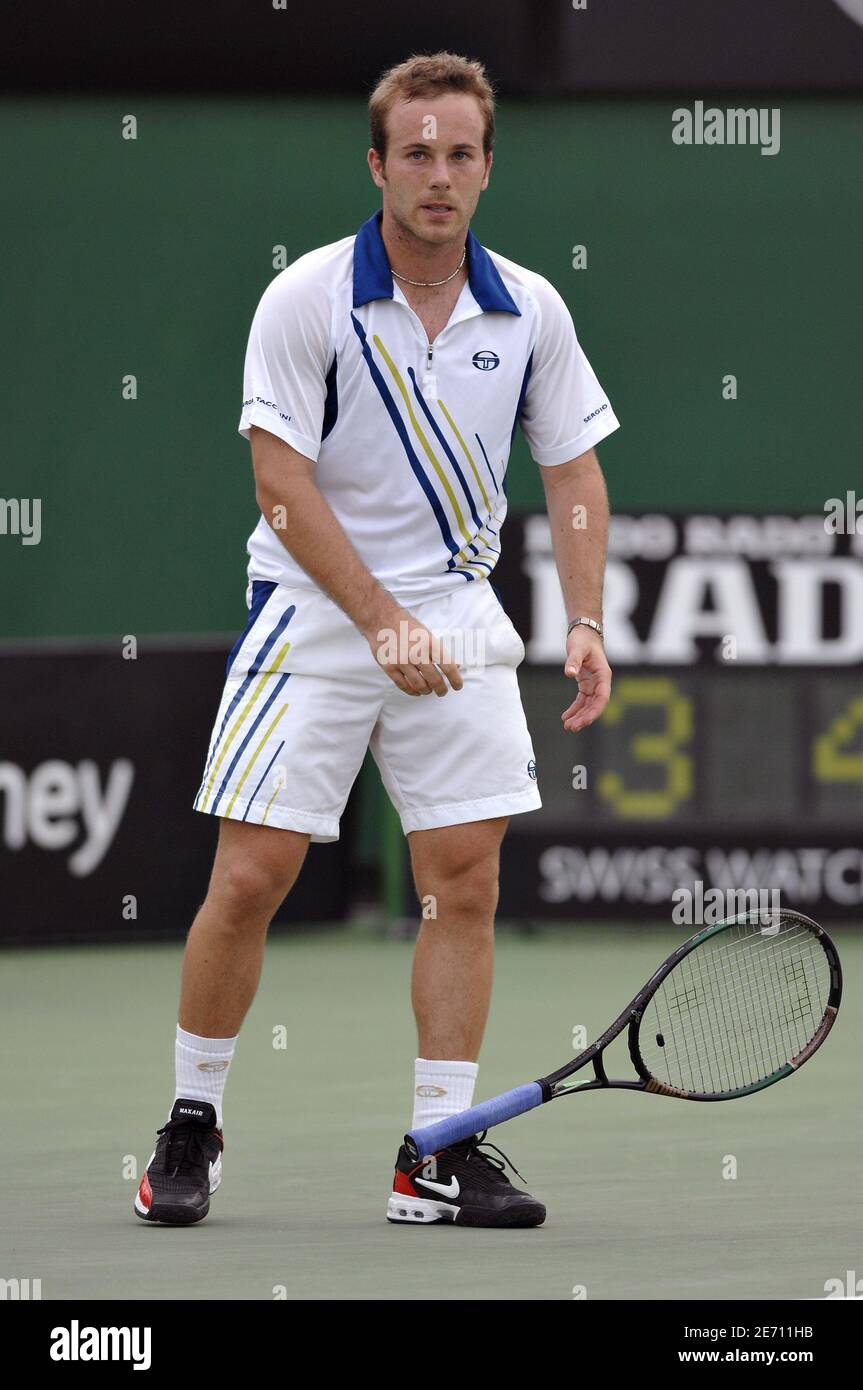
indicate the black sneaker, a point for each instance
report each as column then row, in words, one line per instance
column 461, row 1184
column 185, row 1169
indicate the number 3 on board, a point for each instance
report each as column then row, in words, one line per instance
column 664, row 750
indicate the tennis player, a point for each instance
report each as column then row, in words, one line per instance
column 385, row 376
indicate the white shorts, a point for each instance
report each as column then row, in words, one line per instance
column 304, row 698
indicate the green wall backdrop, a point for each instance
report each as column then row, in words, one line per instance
column 148, row 257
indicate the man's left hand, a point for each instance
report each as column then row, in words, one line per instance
column 586, row 662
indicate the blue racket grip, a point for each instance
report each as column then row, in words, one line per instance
column 491, row 1112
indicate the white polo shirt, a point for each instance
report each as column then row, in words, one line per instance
column 411, row 440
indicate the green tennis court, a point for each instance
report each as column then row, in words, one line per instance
column 638, row 1207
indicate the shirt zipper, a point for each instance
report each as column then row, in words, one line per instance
column 429, row 381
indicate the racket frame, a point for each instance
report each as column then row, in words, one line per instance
column 553, row 1085
column 430, row 1139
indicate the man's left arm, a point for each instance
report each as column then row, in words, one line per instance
column 577, row 503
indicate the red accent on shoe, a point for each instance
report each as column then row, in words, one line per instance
column 404, row 1185
column 145, row 1192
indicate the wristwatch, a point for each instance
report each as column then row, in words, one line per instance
column 585, row 622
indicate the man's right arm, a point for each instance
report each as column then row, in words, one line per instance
column 295, row 508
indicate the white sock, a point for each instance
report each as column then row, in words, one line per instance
column 441, row 1089
column 202, row 1068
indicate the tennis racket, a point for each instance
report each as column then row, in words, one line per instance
column 740, row 1005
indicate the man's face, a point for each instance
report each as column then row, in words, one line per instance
column 435, row 168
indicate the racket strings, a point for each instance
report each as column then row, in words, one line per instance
column 756, row 1007
column 746, row 1002
column 712, row 991
column 752, row 1017
column 736, row 1009
column 793, row 966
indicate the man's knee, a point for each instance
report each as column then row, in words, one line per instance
column 462, row 869
column 254, row 872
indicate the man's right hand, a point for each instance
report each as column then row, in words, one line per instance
column 414, row 658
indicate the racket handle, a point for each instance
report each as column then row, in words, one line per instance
column 491, row 1112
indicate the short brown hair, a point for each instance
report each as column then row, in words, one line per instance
column 426, row 75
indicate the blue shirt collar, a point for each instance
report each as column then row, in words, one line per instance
column 373, row 278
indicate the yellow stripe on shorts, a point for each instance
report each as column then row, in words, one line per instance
column 253, row 759
column 239, row 721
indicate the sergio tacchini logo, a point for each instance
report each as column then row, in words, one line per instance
column 486, row 360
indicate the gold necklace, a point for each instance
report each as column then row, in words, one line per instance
column 432, row 284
